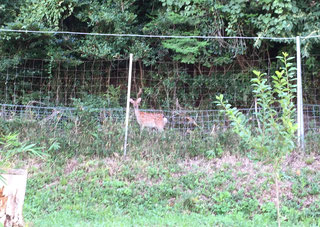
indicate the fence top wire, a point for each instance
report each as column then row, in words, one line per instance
column 61, row 108
column 155, row 36
column 122, row 110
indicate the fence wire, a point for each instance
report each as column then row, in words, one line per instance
column 47, row 90
column 183, row 121
column 59, row 82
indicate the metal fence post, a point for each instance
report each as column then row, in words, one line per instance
column 128, row 107
column 299, row 97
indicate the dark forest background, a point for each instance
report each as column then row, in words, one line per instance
column 56, row 69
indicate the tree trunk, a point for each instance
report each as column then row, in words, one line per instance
column 141, row 74
column 12, row 192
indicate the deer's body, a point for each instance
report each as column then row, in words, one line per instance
column 149, row 120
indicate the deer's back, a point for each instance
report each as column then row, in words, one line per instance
column 155, row 120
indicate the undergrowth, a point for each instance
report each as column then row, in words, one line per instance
column 167, row 179
column 228, row 190
column 104, row 138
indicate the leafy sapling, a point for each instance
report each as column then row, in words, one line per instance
column 273, row 133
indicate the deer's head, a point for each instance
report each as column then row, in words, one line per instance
column 135, row 103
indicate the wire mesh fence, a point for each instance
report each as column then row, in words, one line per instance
column 54, row 90
column 44, row 115
column 311, row 79
column 44, row 88
column 183, row 121
column 312, row 118
column 58, row 82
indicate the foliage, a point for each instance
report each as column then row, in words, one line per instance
column 166, row 179
column 184, row 17
column 201, row 57
column 157, row 189
column 11, row 148
column 273, row 132
column 272, row 136
column 187, row 49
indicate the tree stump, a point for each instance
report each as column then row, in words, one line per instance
column 12, row 192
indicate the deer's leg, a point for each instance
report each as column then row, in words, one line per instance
column 160, row 129
column 141, row 129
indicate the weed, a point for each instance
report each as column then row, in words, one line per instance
column 310, row 160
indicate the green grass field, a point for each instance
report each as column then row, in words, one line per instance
column 226, row 191
column 165, row 180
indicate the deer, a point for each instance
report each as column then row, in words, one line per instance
column 149, row 120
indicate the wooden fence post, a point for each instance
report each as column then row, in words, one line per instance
column 12, row 192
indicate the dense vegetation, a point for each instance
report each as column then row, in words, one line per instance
column 200, row 68
column 166, row 179
column 224, row 177
column 281, row 18
column 228, row 177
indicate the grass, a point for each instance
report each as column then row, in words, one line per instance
column 167, row 179
column 95, row 192
column 113, row 191
column 153, row 219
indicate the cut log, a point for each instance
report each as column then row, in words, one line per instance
column 12, row 192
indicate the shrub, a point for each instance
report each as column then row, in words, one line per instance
column 272, row 134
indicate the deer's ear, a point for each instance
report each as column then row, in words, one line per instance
column 138, row 100
column 131, row 100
